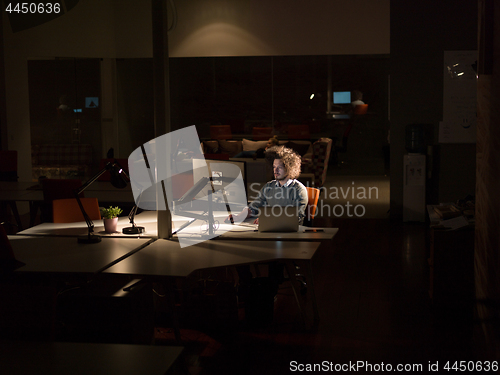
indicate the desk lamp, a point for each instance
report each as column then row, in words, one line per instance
column 134, row 229
column 118, row 179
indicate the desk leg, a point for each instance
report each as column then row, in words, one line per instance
column 13, row 207
column 165, row 290
column 173, row 308
column 312, row 293
column 291, row 270
column 34, row 206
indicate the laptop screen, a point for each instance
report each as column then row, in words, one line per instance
column 279, row 219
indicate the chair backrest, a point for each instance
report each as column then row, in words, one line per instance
column 68, row 210
column 220, row 132
column 54, row 188
column 260, row 134
column 320, row 157
column 360, row 109
column 8, row 165
column 312, row 202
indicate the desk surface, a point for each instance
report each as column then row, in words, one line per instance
column 66, row 255
column 167, row 258
column 19, row 357
column 146, row 219
column 304, row 234
column 248, row 232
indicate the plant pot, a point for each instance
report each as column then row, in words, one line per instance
column 110, row 225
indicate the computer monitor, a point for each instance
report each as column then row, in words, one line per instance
column 229, row 171
column 341, row 97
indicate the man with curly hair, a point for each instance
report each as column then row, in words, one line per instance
column 285, row 189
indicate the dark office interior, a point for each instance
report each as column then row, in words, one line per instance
column 389, row 289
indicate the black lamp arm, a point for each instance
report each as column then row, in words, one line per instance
column 109, row 166
column 90, row 223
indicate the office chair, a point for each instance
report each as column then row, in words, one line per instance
column 54, row 188
column 68, row 211
column 360, row 109
column 312, row 205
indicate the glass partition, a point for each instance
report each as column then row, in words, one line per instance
column 243, row 92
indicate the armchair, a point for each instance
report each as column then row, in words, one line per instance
column 316, row 168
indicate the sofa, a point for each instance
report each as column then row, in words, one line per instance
column 257, row 170
column 231, row 148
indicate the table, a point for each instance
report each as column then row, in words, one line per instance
column 303, row 234
column 20, row 357
column 247, row 231
column 146, row 219
column 66, row 255
column 165, row 258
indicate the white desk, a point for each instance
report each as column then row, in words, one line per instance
column 304, row 234
column 245, row 232
column 146, row 219
column 66, row 255
column 167, row 258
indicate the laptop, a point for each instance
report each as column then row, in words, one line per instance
column 279, row 219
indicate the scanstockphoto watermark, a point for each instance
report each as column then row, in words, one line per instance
column 349, row 198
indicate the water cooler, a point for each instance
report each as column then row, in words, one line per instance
column 414, row 175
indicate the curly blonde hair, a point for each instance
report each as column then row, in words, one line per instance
column 291, row 160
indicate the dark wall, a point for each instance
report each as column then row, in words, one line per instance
column 420, row 33
column 261, row 91
column 135, row 102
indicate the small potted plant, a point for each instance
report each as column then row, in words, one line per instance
column 110, row 218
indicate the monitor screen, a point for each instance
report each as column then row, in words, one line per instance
column 229, row 171
column 341, row 97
